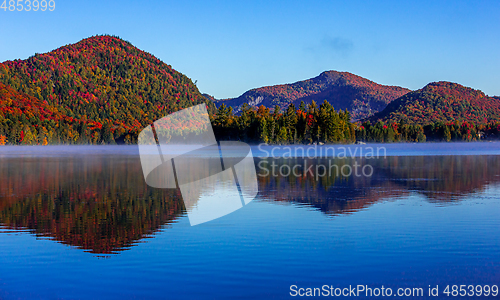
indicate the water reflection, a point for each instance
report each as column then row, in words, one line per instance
column 441, row 179
column 101, row 203
column 97, row 203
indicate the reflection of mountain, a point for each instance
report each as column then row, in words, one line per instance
column 101, row 205
column 439, row 178
column 332, row 193
column 443, row 178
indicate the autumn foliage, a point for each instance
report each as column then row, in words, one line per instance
column 445, row 102
column 342, row 90
column 103, row 90
column 99, row 90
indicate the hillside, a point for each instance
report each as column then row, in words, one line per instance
column 105, row 80
column 16, row 105
column 18, row 109
column 442, row 101
column 343, row 90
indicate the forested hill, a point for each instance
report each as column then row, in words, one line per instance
column 342, row 90
column 19, row 106
column 101, row 80
column 442, row 101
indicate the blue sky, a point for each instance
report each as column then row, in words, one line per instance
column 230, row 47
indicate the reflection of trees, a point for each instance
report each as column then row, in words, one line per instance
column 101, row 205
column 439, row 178
column 332, row 193
column 442, row 178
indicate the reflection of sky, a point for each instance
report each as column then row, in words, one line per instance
column 218, row 197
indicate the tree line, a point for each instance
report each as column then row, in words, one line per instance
column 306, row 124
column 311, row 123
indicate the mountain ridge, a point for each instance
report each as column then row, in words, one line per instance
column 103, row 90
column 442, row 101
column 344, row 90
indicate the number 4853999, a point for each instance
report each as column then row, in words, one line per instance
column 28, row 5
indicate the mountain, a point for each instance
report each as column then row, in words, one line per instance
column 442, row 101
column 343, row 90
column 105, row 80
column 209, row 97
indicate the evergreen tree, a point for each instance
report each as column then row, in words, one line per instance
column 107, row 134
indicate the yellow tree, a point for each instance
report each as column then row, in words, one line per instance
column 3, row 140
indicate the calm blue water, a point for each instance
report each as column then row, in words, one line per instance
column 80, row 223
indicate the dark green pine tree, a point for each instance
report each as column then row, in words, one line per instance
column 290, row 121
column 107, row 134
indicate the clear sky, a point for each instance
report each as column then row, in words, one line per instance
column 230, row 47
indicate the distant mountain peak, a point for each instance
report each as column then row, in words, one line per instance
column 343, row 90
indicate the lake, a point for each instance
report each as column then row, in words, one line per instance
column 80, row 223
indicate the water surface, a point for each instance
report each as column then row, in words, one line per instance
column 80, row 223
